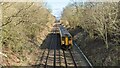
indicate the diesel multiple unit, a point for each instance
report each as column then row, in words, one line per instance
column 66, row 38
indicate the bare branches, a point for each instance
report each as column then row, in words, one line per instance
column 8, row 21
column 21, row 20
column 15, row 15
column 100, row 18
column 8, row 5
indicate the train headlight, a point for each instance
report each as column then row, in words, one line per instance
column 63, row 42
column 70, row 42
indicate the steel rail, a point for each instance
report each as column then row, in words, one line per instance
column 43, row 52
column 73, row 59
column 65, row 59
column 83, row 55
column 55, row 51
column 58, row 40
column 48, row 53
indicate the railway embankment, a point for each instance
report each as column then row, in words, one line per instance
column 96, row 29
column 95, row 49
column 23, row 30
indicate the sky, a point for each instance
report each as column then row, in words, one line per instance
column 57, row 6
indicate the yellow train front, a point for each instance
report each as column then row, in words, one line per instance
column 66, row 42
column 66, row 38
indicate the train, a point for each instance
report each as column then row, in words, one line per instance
column 65, row 38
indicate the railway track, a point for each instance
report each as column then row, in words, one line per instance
column 74, row 59
column 65, row 59
column 83, row 55
column 49, row 48
column 75, row 65
column 52, row 56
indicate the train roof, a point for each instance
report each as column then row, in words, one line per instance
column 63, row 31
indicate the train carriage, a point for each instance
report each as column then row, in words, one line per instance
column 66, row 38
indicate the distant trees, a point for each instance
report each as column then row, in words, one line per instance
column 99, row 19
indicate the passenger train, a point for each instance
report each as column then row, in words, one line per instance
column 66, row 38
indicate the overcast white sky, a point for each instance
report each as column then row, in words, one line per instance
column 57, row 6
